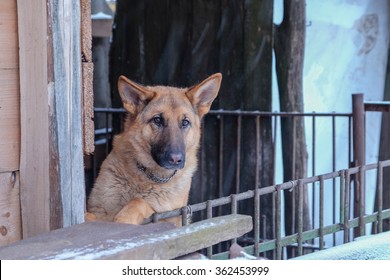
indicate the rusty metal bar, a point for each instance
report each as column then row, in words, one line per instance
column 334, row 169
column 257, row 194
column 234, row 206
column 321, row 219
column 300, row 217
column 238, row 151
column 107, row 146
column 347, row 205
column 209, row 216
column 220, row 164
column 350, row 141
column 379, row 187
column 278, row 239
column 273, row 182
column 342, row 197
column 240, row 113
column 358, row 148
column 202, row 165
column 313, row 169
column 362, row 201
column 269, row 114
column 264, row 220
column 382, row 106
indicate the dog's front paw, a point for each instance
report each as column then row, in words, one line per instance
column 90, row 217
column 134, row 212
column 128, row 219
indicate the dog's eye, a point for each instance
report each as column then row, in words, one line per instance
column 185, row 123
column 157, row 120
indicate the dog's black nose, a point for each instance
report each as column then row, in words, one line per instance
column 175, row 158
column 169, row 158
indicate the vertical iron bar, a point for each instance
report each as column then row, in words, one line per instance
column 334, row 169
column 107, row 136
column 347, row 205
column 321, row 220
column 257, row 222
column 294, row 150
column 202, row 167
column 362, row 204
column 274, row 148
column 257, row 194
column 313, row 169
column 349, row 141
column 264, row 220
column 220, row 182
column 293, row 191
column 342, row 192
column 238, row 151
column 184, row 216
column 234, row 211
column 273, row 183
column 278, row 241
column 300, row 217
column 209, row 216
column 379, row 187
column 358, row 150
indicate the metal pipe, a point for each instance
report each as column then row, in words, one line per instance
column 347, row 205
column 278, row 244
column 300, row 217
column 358, row 150
column 321, row 219
column 379, row 187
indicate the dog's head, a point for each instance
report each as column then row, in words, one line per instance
column 164, row 122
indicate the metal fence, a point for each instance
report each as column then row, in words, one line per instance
column 340, row 190
column 301, row 239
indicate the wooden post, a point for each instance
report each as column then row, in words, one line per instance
column 34, row 171
column 51, row 167
column 359, row 158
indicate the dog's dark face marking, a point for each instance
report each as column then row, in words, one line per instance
column 169, row 150
column 169, row 119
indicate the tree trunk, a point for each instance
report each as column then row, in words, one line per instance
column 289, row 52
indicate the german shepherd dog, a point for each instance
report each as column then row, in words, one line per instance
column 153, row 160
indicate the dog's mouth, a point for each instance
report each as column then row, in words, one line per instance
column 155, row 178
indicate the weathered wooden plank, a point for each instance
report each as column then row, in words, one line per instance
column 8, row 35
column 66, row 113
column 34, row 171
column 120, row 241
column 9, row 120
column 9, row 91
column 82, row 237
column 10, row 220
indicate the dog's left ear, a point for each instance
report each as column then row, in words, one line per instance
column 203, row 94
column 134, row 96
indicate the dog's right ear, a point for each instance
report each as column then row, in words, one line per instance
column 134, row 96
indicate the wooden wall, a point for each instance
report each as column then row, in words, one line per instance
column 10, row 221
column 41, row 116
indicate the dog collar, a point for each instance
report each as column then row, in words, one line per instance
column 154, row 177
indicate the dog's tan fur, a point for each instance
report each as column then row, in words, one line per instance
column 165, row 119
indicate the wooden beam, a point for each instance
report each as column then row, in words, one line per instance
column 10, row 220
column 34, row 171
column 52, row 178
column 101, row 240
